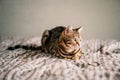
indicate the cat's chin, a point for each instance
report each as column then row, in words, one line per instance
column 69, row 51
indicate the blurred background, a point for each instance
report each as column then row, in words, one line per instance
column 100, row 18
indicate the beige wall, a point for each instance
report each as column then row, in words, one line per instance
column 100, row 18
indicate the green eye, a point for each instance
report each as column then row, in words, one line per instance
column 68, row 42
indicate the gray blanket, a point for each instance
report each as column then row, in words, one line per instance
column 100, row 61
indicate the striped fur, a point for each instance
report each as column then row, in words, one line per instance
column 63, row 42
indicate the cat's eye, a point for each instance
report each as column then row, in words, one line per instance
column 68, row 42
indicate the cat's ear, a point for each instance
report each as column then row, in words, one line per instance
column 68, row 30
column 79, row 29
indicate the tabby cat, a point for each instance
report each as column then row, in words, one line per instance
column 63, row 42
column 60, row 41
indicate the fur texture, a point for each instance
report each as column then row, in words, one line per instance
column 63, row 42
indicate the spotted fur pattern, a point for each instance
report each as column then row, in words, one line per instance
column 63, row 42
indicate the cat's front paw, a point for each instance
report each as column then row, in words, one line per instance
column 77, row 56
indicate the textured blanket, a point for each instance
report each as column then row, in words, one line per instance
column 100, row 61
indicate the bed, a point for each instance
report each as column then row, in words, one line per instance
column 100, row 61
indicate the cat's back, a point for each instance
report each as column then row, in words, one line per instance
column 56, row 32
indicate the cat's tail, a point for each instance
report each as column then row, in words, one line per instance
column 25, row 47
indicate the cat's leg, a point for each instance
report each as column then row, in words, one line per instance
column 78, row 55
column 45, row 36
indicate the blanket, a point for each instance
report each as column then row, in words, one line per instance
column 100, row 61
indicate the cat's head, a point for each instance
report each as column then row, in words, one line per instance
column 71, row 38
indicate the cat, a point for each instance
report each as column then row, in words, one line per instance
column 63, row 42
